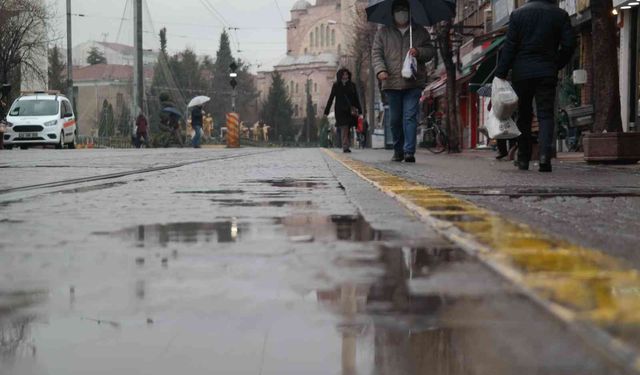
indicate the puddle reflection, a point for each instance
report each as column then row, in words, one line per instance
column 314, row 228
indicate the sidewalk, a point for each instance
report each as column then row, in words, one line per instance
column 591, row 205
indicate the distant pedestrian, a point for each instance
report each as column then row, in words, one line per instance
column 265, row 132
column 540, row 41
column 142, row 130
column 347, row 106
column 389, row 51
column 197, row 116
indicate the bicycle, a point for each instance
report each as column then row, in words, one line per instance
column 434, row 138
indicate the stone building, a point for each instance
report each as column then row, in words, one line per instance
column 318, row 40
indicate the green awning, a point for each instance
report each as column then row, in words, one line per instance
column 484, row 65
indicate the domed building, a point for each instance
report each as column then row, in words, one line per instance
column 317, row 44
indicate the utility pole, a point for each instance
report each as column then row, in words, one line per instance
column 138, row 74
column 69, row 57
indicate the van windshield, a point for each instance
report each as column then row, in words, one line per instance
column 34, row 108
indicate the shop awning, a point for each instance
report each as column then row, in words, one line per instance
column 486, row 51
column 483, row 66
column 435, row 88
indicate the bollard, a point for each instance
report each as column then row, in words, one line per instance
column 233, row 130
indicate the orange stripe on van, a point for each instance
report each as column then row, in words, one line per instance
column 69, row 123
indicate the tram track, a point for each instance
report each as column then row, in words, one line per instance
column 10, row 193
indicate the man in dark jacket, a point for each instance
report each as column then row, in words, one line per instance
column 540, row 42
column 347, row 106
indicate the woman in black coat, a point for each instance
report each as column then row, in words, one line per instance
column 347, row 107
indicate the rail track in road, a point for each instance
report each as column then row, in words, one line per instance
column 50, row 187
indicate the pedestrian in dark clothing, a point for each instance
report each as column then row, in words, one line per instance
column 540, row 41
column 196, row 124
column 347, row 108
column 169, row 124
column 142, row 130
column 390, row 48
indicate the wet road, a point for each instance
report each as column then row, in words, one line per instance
column 246, row 262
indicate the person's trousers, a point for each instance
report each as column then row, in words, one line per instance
column 404, row 106
column 543, row 90
column 504, row 145
column 345, row 135
column 140, row 137
column 197, row 135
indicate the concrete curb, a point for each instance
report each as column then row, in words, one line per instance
column 614, row 349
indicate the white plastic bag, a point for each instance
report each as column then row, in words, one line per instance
column 503, row 99
column 410, row 66
column 501, row 129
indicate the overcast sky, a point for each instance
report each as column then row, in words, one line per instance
column 261, row 37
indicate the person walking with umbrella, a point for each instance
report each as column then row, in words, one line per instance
column 393, row 42
column 197, row 118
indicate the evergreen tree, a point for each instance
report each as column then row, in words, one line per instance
column 96, row 57
column 56, row 70
column 125, row 122
column 277, row 111
column 310, row 120
column 221, row 94
column 163, row 41
column 105, row 125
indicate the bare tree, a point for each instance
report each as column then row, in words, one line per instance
column 443, row 32
column 23, row 38
column 360, row 50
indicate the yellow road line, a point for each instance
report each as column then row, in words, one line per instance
column 584, row 287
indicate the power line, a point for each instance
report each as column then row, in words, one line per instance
column 207, row 4
column 124, row 12
column 280, row 11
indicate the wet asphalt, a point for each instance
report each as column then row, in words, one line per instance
column 250, row 261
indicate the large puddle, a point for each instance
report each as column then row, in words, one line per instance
column 344, row 298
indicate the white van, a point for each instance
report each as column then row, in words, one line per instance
column 41, row 118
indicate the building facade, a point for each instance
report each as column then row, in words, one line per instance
column 115, row 53
column 318, row 41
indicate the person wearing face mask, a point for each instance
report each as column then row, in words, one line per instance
column 389, row 51
column 347, row 108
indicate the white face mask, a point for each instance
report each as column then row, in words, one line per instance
column 401, row 17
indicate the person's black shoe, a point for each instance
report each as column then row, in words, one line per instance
column 409, row 158
column 397, row 157
column 346, row 151
column 522, row 165
column 545, row 164
column 501, row 156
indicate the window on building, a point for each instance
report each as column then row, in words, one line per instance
column 322, row 39
column 291, row 87
column 339, row 49
column 328, row 35
column 311, row 39
column 315, row 108
column 297, row 87
column 306, row 51
column 315, row 87
column 333, row 38
column 317, row 44
column 296, row 110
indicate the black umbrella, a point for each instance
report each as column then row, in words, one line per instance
column 423, row 12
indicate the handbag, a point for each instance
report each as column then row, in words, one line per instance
column 353, row 111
